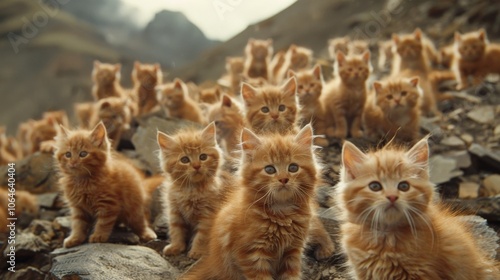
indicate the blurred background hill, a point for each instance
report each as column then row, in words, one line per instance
column 46, row 65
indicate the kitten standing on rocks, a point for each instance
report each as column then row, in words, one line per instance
column 344, row 97
column 191, row 161
column 261, row 232
column 177, row 103
column 101, row 191
column 474, row 56
column 393, row 227
column 106, row 78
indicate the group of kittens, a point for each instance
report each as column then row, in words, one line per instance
column 240, row 193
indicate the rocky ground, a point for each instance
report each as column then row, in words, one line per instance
column 465, row 165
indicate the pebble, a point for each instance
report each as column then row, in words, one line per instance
column 482, row 114
column 492, row 185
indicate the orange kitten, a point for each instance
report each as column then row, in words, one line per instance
column 309, row 87
column 411, row 59
column 234, row 67
column 446, row 56
column 175, row 100
column 25, row 202
column 393, row 227
column 146, row 77
column 271, row 108
column 115, row 113
column 191, row 161
column 106, row 78
column 258, row 55
column 392, row 110
column 229, row 121
column 344, row 97
column 41, row 131
column 210, row 95
column 296, row 58
column 336, row 45
column 474, row 56
column 101, row 191
column 261, row 232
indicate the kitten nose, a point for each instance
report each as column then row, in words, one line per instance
column 196, row 166
column 392, row 198
column 274, row 116
column 284, row 180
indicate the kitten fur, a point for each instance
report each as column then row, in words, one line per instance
column 474, row 56
column 392, row 225
column 258, row 55
column 261, row 232
column 392, row 110
column 271, row 109
column 234, row 67
column 25, row 202
column 309, row 87
column 411, row 58
column 175, row 100
column 101, row 191
column 106, row 78
column 446, row 56
column 344, row 97
column 338, row 44
column 210, row 95
column 275, row 66
column 191, row 161
column 145, row 78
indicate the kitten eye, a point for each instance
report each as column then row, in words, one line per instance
column 270, row 169
column 360, row 68
column 389, row 96
column 83, row 154
column 300, row 87
column 68, row 154
column 203, row 157
column 264, row 109
column 281, row 108
column 403, row 186
column 349, row 69
column 403, row 93
column 184, row 159
column 293, row 168
column 375, row 186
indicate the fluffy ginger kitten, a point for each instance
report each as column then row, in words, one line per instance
column 191, row 161
column 393, row 226
column 261, row 232
column 101, row 191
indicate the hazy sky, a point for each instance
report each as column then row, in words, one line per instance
column 218, row 19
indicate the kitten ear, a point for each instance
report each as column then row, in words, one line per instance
column 290, row 73
column 378, row 87
column 458, row 37
column 117, row 67
column 178, row 83
column 414, row 81
column 289, row 89
column 419, row 153
column 137, row 64
column 418, row 34
column 293, row 48
column 352, row 157
column 482, row 35
column 98, row 136
column 366, row 56
column 249, row 141
column 97, row 63
column 340, row 58
column 226, row 101
column 395, row 38
column 209, row 132
column 317, row 73
column 305, row 136
column 62, row 131
column 251, row 41
column 164, row 141
column 248, row 92
column 157, row 66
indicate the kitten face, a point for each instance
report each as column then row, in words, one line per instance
column 82, row 152
column 300, row 57
column 386, row 188
column 353, row 68
column 279, row 168
column 471, row 46
column 409, row 46
column 309, row 84
column 105, row 74
column 398, row 95
column 234, row 65
column 172, row 95
column 114, row 113
column 260, row 49
column 190, row 156
column 148, row 75
column 271, row 108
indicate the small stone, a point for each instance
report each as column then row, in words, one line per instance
column 492, row 185
column 467, row 138
column 468, row 190
column 453, row 141
column 462, row 158
column 482, row 114
column 492, row 78
column 497, row 130
column 443, row 169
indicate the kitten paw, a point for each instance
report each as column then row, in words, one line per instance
column 195, row 254
column 148, row 235
column 72, row 241
column 173, row 249
column 323, row 252
column 98, row 238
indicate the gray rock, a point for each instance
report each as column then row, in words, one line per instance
column 462, row 158
column 443, row 169
column 144, row 139
column 491, row 185
column 453, row 141
column 429, row 126
column 110, row 261
column 487, row 156
column 482, row 114
column 29, row 272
